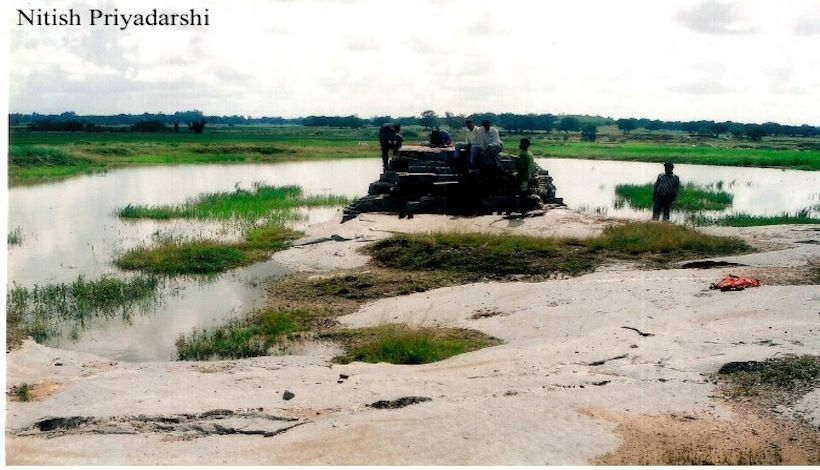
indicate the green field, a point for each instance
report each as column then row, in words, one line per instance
column 43, row 156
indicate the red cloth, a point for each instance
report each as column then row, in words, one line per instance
column 732, row 282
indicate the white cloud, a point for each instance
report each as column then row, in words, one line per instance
column 369, row 57
column 715, row 17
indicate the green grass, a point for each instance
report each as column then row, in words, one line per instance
column 20, row 392
column 251, row 336
column 398, row 344
column 695, row 153
column 262, row 201
column 40, row 311
column 15, row 237
column 691, row 198
column 173, row 257
column 499, row 255
column 746, row 220
column 197, row 257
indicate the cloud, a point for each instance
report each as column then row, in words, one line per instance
column 807, row 26
column 713, row 17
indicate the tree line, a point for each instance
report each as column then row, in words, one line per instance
column 511, row 122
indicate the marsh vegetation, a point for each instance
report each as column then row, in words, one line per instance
column 43, row 310
column 691, row 197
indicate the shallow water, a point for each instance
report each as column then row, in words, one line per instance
column 69, row 228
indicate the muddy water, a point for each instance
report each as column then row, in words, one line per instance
column 69, row 228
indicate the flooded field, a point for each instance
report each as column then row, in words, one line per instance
column 69, row 229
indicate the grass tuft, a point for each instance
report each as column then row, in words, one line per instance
column 19, row 392
column 251, row 336
column 397, row 344
column 15, row 237
column 691, row 197
column 173, row 257
column 787, row 373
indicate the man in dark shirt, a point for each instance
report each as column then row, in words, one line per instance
column 390, row 139
column 664, row 192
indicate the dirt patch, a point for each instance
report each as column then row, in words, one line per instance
column 36, row 392
column 785, row 276
column 343, row 292
column 703, row 439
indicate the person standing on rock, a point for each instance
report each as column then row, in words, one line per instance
column 664, row 192
column 525, row 165
column 390, row 139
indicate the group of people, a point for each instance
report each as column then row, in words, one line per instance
column 482, row 145
column 480, row 149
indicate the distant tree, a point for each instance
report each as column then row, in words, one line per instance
column 755, row 132
column 176, row 126
column 568, row 124
column 653, row 125
column 545, row 122
column 148, row 126
column 627, row 125
column 736, row 129
column 379, row 120
column 719, row 128
column 589, row 133
column 197, row 126
column 807, row 131
column 453, row 121
column 429, row 119
column 773, row 128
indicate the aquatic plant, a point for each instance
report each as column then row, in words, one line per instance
column 691, row 197
column 41, row 310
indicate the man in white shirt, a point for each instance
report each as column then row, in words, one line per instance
column 489, row 141
column 468, row 144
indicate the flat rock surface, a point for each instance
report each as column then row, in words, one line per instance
column 580, row 357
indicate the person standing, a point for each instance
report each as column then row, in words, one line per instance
column 525, row 165
column 664, row 192
column 390, row 139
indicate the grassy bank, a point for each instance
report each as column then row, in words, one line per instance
column 696, row 153
column 691, row 198
column 261, row 201
column 746, row 220
column 404, row 264
column 497, row 255
column 173, row 257
column 43, row 156
column 41, row 311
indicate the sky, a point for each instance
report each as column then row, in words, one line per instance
column 747, row 61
